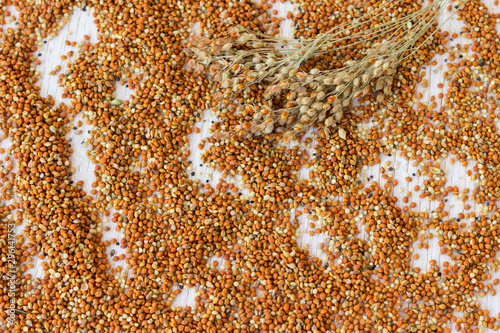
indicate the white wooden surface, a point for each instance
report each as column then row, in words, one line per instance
column 81, row 23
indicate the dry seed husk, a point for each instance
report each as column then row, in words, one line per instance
column 357, row 78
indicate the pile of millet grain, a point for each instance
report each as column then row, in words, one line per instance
column 172, row 223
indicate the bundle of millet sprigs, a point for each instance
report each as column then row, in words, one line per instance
column 317, row 97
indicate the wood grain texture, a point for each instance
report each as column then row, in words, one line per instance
column 81, row 23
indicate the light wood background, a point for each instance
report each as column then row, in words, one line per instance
column 81, row 23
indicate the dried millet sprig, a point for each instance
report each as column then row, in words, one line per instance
column 245, row 58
